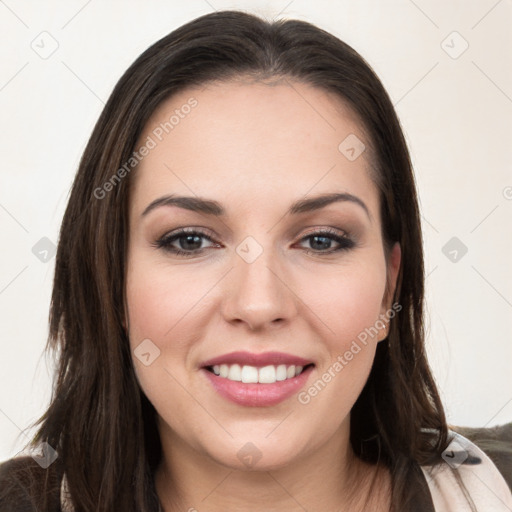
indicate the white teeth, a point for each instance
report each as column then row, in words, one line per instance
column 235, row 372
column 290, row 371
column 267, row 375
column 281, row 372
column 251, row 374
column 224, row 370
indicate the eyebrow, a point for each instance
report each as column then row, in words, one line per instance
column 211, row 207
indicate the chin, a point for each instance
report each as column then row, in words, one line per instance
column 260, row 454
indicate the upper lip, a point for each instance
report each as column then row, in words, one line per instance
column 262, row 359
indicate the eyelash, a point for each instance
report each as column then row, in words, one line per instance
column 165, row 242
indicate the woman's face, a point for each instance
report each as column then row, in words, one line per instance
column 268, row 281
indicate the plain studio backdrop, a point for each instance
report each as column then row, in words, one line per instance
column 447, row 67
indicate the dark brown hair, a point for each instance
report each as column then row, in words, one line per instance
column 99, row 421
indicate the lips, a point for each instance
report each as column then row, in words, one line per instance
column 257, row 380
column 259, row 360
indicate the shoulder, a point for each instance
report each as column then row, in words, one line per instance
column 467, row 472
column 27, row 487
column 496, row 442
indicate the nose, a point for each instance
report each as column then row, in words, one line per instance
column 259, row 293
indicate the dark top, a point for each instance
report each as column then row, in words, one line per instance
column 21, row 485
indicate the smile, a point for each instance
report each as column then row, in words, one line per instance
column 257, row 380
column 252, row 374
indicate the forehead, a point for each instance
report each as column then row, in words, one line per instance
column 249, row 142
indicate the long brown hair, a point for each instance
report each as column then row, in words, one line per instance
column 99, row 421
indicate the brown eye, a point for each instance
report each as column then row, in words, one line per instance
column 188, row 242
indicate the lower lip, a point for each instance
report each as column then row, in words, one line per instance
column 255, row 394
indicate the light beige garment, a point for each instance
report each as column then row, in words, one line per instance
column 484, row 483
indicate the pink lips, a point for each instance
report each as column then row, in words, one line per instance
column 256, row 394
column 263, row 359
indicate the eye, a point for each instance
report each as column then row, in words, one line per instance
column 189, row 242
column 323, row 240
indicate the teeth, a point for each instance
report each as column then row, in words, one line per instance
column 281, row 372
column 267, row 375
column 252, row 374
column 249, row 374
column 235, row 372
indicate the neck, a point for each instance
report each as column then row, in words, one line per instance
column 330, row 478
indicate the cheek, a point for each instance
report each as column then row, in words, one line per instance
column 171, row 307
column 153, row 308
column 157, row 304
column 348, row 302
column 350, row 309
column 158, row 301
column 349, row 306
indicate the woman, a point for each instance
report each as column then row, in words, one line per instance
column 238, row 295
